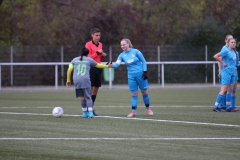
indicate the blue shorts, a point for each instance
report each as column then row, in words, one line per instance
column 227, row 78
column 137, row 81
column 236, row 75
column 84, row 92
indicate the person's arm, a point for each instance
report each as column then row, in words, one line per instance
column 219, row 59
column 91, row 53
column 237, row 62
column 103, row 54
column 101, row 65
column 118, row 62
column 69, row 71
column 142, row 59
column 144, row 65
column 219, row 69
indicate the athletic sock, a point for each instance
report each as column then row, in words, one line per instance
column 89, row 105
column 218, row 100
column 224, row 99
column 134, row 102
column 228, row 101
column 93, row 98
column 233, row 101
column 146, row 100
column 223, row 102
column 84, row 105
column 134, row 109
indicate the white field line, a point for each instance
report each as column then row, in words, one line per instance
column 120, row 139
column 123, row 107
column 25, row 107
column 140, row 119
column 172, row 121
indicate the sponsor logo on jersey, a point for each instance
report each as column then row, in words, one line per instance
column 130, row 61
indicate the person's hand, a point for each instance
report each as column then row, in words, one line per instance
column 104, row 54
column 224, row 64
column 109, row 64
column 99, row 51
column 145, row 76
column 68, row 84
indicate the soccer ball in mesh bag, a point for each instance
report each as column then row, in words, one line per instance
column 57, row 112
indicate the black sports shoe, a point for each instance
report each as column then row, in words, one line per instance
column 230, row 110
column 95, row 114
column 217, row 110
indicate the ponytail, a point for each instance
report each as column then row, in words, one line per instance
column 84, row 52
column 236, row 53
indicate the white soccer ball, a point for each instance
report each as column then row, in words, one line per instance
column 57, row 112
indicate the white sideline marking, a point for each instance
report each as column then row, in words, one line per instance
column 140, row 119
column 187, row 122
column 119, row 139
column 26, row 107
column 124, row 107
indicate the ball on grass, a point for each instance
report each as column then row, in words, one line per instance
column 57, row 112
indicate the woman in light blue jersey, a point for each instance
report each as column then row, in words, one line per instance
column 222, row 106
column 137, row 74
column 227, row 58
column 233, row 100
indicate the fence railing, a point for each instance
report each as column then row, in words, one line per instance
column 160, row 66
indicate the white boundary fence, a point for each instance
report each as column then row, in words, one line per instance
column 162, row 64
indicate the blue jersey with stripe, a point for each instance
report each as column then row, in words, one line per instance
column 134, row 61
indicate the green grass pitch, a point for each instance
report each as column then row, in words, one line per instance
column 183, row 126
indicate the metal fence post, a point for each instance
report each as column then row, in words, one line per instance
column 110, row 69
column 206, row 59
column 62, row 67
column 162, row 75
column 159, row 71
column 0, row 77
column 56, row 76
column 11, row 67
column 214, row 79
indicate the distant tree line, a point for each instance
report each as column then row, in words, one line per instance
column 145, row 22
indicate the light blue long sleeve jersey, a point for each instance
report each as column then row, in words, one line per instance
column 229, row 57
column 223, row 48
column 237, row 56
column 134, row 61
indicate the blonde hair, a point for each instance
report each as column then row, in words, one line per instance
column 128, row 42
column 227, row 37
column 231, row 39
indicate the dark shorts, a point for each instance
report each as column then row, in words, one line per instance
column 86, row 92
column 95, row 76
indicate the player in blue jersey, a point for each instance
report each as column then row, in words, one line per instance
column 233, row 101
column 137, row 74
column 233, row 86
column 223, row 102
column 81, row 78
column 227, row 58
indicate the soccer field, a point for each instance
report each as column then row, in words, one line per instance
column 183, row 126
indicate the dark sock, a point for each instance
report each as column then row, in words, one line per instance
column 134, row 109
column 93, row 98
